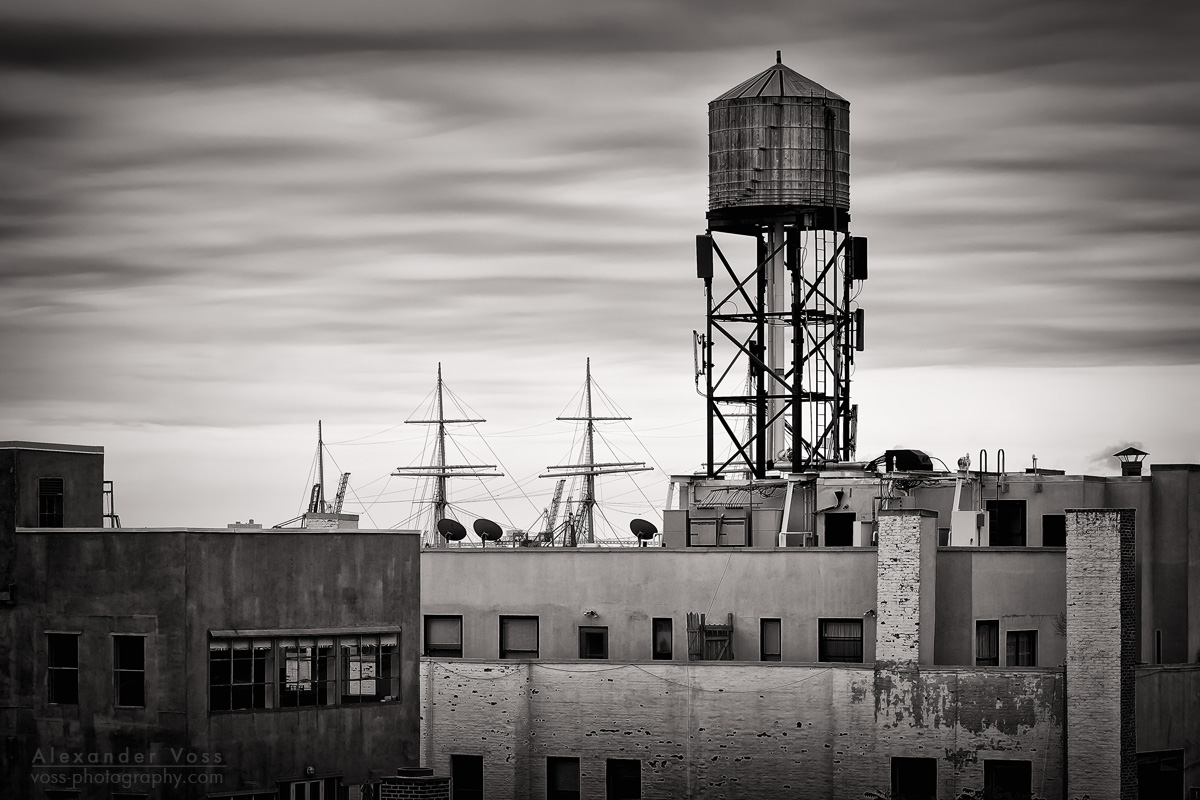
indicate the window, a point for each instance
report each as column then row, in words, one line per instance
column 769, row 640
column 303, row 671
column 663, row 639
column 1007, row 780
column 987, row 643
column 307, row 672
column 316, row 789
column 239, row 674
column 914, row 779
column 370, row 668
column 443, row 636
column 562, row 778
column 593, row 641
column 1054, row 530
column 466, row 777
column 623, row 779
column 1022, row 648
column 518, row 637
column 839, row 529
column 841, row 640
column 1006, row 523
column 50, row 502
column 1158, row 646
column 62, row 673
column 1160, row 774
column 129, row 670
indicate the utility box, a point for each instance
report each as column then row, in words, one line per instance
column 969, row 528
column 734, row 530
column 702, row 532
column 675, row 527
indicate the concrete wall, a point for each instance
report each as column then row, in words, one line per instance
column 176, row 587
column 738, row 730
column 629, row 587
column 1168, row 713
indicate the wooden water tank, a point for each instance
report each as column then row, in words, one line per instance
column 778, row 139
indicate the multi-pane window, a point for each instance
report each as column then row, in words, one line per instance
column 307, row 672
column 1022, row 648
column 518, row 637
column 443, row 636
column 770, row 638
column 62, row 673
column 303, row 671
column 623, row 779
column 841, row 640
column 129, row 670
column 370, row 668
column 663, row 639
column 240, row 674
column 987, row 643
column 50, row 502
column 562, row 778
column 593, row 641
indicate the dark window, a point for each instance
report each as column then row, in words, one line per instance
column 1022, row 648
column 129, row 670
column 593, row 641
column 1054, row 530
column 1157, row 646
column 443, row 636
column 50, row 502
column 370, row 668
column 769, row 640
column 1160, row 774
column 518, row 637
column 466, row 777
column 307, row 672
column 914, row 779
column 239, row 674
column 841, row 640
column 987, row 643
column 1007, row 780
column 1006, row 523
column 562, row 778
column 839, row 529
column 663, row 639
column 62, row 674
column 623, row 779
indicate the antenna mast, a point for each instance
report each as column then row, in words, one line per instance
column 589, row 468
column 321, row 508
column 439, row 470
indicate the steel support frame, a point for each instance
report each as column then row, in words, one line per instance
column 831, row 350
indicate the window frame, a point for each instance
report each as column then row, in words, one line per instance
column 655, row 653
column 823, row 655
column 995, row 625
column 763, row 625
column 1012, row 636
column 593, row 630
column 428, row 650
column 55, row 517
column 508, row 653
column 127, row 672
column 456, row 791
column 52, row 670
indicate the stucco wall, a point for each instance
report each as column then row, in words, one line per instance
column 729, row 730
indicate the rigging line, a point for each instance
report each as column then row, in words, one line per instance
column 308, row 483
column 366, row 509
column 718, row 588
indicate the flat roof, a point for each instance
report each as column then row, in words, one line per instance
column 231, row 531
column 50, row 446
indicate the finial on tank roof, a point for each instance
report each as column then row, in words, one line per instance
column 778, row 56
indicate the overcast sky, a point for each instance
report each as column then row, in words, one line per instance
column 224, row 221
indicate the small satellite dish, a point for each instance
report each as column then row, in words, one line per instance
column 488, row 530
column 452, row 530
column 642, row 529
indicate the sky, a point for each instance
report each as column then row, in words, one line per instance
column 221, row 222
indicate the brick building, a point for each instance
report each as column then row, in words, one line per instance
column 850, row 645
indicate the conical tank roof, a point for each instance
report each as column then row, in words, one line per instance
column 778, row 80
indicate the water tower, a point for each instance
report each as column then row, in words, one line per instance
column 782, row 325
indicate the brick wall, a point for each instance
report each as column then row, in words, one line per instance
column 906, row 582
column 712, row 730
column 414, row 784
column 1101, row 654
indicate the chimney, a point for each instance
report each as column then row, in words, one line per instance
column 1131, row 461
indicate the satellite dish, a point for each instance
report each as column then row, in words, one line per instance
column 642, row 529
column 452, row 530
column 488, row 530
